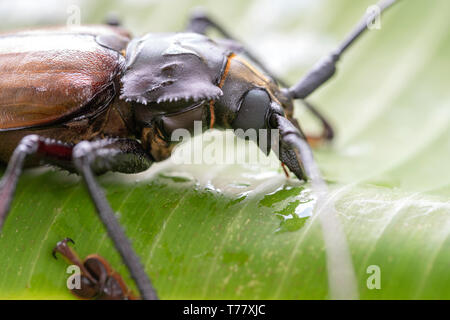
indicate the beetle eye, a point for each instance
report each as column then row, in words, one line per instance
column 253, row 110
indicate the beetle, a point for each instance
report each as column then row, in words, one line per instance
column 90, row 99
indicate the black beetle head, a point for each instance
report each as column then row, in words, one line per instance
column 181, row 71
column 249, row 105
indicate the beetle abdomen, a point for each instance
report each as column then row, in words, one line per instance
column 48, row 76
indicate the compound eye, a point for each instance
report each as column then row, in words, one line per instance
column 253, row 110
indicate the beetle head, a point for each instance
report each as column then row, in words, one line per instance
column 176, row 72
column 253, row 101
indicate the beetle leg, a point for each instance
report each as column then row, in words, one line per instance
column 327, row 133
column 28, row 146
column 118, row 155
column 199, row 22
column 326, row 67
column 71, row 256
column 87, row 155
column 110, row 284
column 123, row 155
column 92, row 280
column 112, row 20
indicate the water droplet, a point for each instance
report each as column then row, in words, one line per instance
column 280, row 195
column 294, row 216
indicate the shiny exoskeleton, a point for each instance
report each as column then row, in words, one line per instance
column 91, row 99
column 91, row 83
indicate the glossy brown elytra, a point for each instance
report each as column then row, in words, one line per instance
column 90, row 99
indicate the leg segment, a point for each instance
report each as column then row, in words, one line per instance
column 98, row 279
column 200, row 23
column 28, row 146
column 327, row 130
column 85, row 155
column 71, row 256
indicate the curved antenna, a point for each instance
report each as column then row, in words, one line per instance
column 326, row 67
column 341, row 274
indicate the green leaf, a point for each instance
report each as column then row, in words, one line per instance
column 244, row 231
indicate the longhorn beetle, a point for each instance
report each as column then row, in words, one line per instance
column 90, row 99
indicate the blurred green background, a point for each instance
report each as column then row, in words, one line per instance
column 242, row 231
